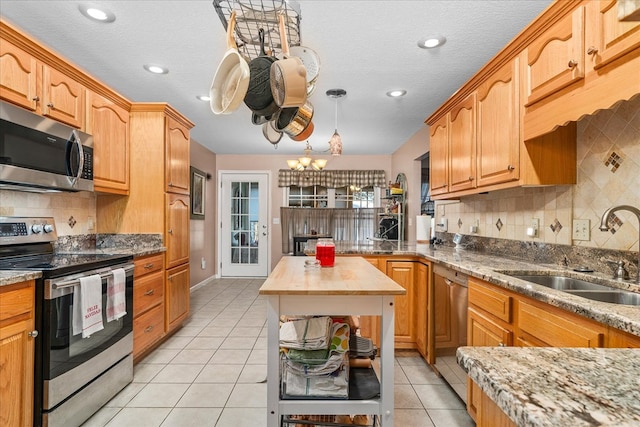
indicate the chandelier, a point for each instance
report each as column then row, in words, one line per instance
column 335, row 143
column 302, row 163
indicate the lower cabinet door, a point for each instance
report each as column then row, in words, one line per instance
column 176, row 296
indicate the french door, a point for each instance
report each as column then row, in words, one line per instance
column 244, row 237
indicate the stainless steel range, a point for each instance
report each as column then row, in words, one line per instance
column 74, row 376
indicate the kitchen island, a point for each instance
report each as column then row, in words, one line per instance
column 540, row 387
column 351, row 287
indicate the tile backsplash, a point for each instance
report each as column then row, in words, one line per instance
column 608, row 175
column 74, row 213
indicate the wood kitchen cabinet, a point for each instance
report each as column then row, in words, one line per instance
column 177, row 296
column 421, row 288
column 148, row 303
column 18, row 76
column 498, row 116
column 176, row 240
column 403, row 273
column 177, row 151
column 17, row 340
column 542, row 325
column 609, row 56
column 109, row 125
column 45, row 90
column 462, row 145
column 150, row 208
column 439, row 156
column 556, row 58
column 484, row 411
column 620, row 339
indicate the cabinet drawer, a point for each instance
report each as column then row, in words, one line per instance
column 147, row 292
column 16, row 299
column 490, row 300
column 148, row 264
column 148, row 329
column 554, row 328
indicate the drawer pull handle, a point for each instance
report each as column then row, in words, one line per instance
column 572, row 64
column 150, row 292
column 148, row 329
column 33, row 334
column 149, row 266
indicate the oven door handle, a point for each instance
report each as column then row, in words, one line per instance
column 103, row 275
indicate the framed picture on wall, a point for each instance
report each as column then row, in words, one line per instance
column 198, row 185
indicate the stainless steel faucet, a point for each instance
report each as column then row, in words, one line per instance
column 604, row 226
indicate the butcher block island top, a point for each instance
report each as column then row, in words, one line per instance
column 349, row 276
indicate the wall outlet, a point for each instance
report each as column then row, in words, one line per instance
column 90, row 223
column 203, row 263
column 581, row 229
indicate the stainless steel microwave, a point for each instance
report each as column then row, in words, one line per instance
column 40, row 154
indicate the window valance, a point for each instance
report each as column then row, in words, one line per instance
column 332, row 178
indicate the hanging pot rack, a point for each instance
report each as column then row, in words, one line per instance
column 251, row 15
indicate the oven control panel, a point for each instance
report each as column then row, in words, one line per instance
column 15, row 230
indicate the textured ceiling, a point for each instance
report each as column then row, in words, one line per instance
column 365, row 47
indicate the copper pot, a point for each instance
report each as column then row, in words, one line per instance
column 293, row 121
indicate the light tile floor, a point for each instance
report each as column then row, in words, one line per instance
column 212, row 372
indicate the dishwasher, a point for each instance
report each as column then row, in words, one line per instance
column 450, row 325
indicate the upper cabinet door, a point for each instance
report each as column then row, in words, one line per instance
column 439, row 157
column 555, row 59
column 177, row 167
column 109, row 125
column 18, row 76
column 498, row 127
column 462, row 145
column 63, row 98
column 613, row 38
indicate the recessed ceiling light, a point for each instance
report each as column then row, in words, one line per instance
column 204, row 98
column 431, row 42
column 95, row 14
column 396, row 93
column 155, row 69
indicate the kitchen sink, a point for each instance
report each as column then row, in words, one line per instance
column 563, row 283
column 611, row 296
column 583, row 289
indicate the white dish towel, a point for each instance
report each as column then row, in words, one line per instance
column 87, row 306
column 116, row 302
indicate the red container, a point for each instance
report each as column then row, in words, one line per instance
column 326, row 252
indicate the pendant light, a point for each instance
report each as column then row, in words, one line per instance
column 335, row 143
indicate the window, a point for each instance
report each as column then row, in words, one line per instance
column 315, row 196
column 355, row 197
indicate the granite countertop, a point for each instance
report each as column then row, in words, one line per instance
column 123, row 244
column 539, row 387
column 491, row 268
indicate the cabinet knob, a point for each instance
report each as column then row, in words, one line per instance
column 148, row 328
column 501, row 344
column 470, row 178
column 171, row 231
column 50, row 105
column 592, row 50
column 170, row 184
column 33, row 334
column 35, row 98
column 572, row 64
column 149, row 292
column 511, row 167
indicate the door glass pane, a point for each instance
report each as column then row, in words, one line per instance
column 245, row 205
